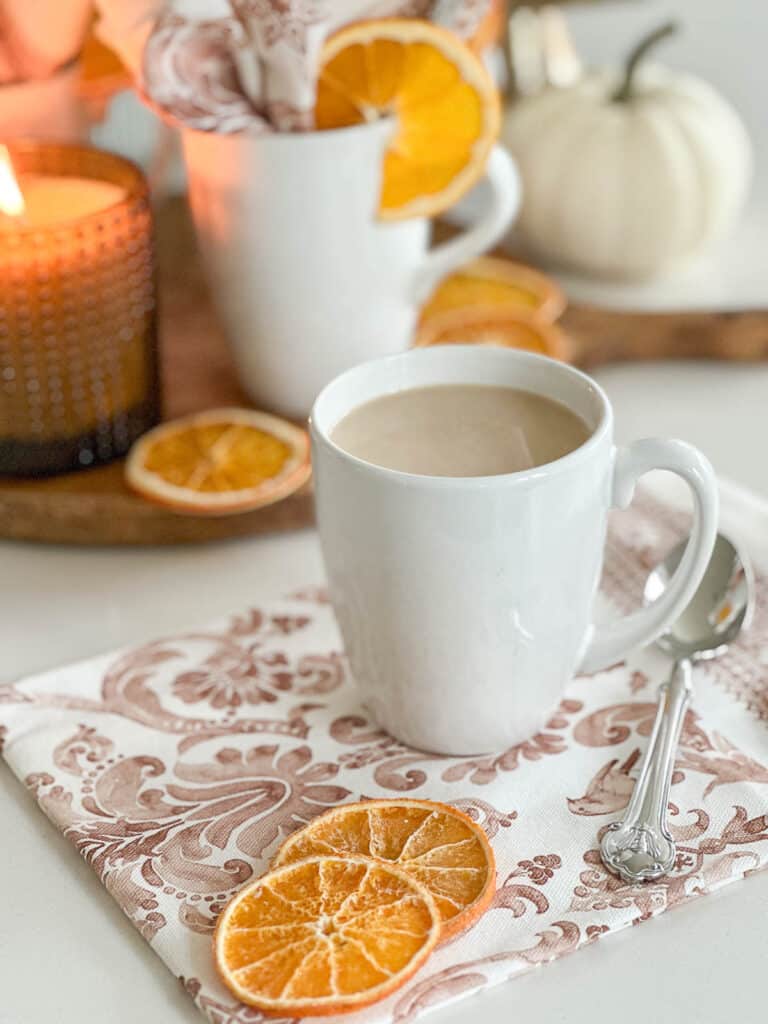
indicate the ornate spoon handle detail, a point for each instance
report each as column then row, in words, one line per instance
column 639, row 848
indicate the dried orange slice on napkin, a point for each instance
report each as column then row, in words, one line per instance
column 438, row 845
column 486, row 325
column 443, row 103
column 326, row 935
column 489, row 281
column 219, row 462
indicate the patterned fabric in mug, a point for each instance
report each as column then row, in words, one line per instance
column 254, row 67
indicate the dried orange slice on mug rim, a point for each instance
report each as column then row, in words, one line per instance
column 443, row 103
column 219, row 462
column 325, row 935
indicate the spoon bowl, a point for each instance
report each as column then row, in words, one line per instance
column 719, row 609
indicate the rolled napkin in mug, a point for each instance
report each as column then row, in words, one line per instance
column 252, row 65
column 195, row 71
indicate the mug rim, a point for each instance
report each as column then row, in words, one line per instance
column 439, row 353
column 381, row 126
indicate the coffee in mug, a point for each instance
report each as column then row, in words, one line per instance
column 461, row 430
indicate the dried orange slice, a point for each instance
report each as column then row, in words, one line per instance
column 444, row 105
column 488, row 281
column 326, row 935
column 436, row 844
column 220, row 461
column 492, row 326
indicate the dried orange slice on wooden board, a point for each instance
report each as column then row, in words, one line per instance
column 490, row 281
column 438, row 845
column 219, row 462
column 443, row 103
column 492, row 326
column 325, row 935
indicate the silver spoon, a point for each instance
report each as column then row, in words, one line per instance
column 640, row 848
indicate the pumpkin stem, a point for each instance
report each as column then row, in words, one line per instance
column 626, row 90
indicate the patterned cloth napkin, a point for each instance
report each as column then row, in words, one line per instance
column 178, row 767
column 250, row 65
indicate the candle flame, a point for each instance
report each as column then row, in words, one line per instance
column 11, row 199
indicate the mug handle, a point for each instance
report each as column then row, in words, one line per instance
column 608, row 644
column 501, row 174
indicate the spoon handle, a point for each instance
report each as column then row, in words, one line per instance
column 639, row 848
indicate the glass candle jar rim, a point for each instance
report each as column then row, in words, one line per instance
column 127, row 175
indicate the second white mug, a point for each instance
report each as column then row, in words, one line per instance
column 307, row 281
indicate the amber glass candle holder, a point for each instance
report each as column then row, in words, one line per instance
column 78, row 329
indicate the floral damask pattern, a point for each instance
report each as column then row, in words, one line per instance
column 177, row 768
column 225, row 1010
column 485, row 814
column 462, row 978
column 229, row 678
column 190, row 74
column 609, row 790
column 133, row 811
column 699, row 868
column 395, row 763
column 516, row 895
column 708, row 754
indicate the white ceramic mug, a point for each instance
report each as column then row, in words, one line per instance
column 306, row 279
column 465, row 604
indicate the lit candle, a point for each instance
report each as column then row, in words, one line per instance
column 41, row 201
column 77, row 337
column 11, row 199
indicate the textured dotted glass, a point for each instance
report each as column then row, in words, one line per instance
column 78, row 323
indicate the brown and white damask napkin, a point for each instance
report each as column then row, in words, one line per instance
column 178, row 767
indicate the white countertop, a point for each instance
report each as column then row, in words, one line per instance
column 67, row 954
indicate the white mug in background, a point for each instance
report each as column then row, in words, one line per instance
column 306, row 279
column 465, row 603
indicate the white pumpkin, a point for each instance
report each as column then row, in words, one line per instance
column 628, row 175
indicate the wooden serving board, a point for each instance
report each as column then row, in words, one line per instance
column 95, row 507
